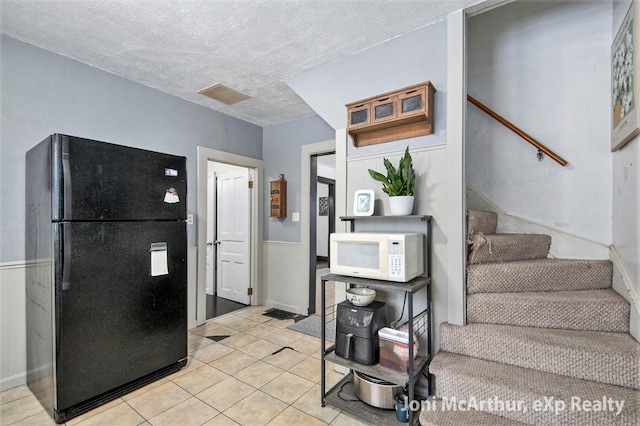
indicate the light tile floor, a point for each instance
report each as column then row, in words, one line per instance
column 238, row 380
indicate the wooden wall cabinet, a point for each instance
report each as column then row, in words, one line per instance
column 404, row 113
column 278, row 197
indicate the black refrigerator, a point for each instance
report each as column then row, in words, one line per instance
column 107, row 278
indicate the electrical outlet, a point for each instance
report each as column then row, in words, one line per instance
column 295, row 216
column 189, row 219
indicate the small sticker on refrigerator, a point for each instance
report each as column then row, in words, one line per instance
column 171, row 196
column 170, row 172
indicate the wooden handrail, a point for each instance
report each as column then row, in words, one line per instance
column 517, row 131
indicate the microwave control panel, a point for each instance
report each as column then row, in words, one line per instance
column 396, row 258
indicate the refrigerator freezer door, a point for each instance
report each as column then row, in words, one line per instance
column 103, row 181
column 116, row 322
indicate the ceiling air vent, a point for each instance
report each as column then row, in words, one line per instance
column 224, row 94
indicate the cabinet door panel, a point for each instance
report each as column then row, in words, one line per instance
column 359, row 115
column 385, row 109
column 412, row 102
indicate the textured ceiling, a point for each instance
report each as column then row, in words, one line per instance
column 183, row 46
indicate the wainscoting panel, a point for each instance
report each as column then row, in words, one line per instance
column 13, row 334
column 286, row 285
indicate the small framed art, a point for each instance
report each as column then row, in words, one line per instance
column 363, row 202
column 323, row 206
column 625, row 108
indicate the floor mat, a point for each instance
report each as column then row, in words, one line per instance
column 279, row 314
column 311, row 326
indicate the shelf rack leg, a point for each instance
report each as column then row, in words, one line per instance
column 322, row 340
column 410, row 361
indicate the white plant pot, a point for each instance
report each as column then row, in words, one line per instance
column 401, row 205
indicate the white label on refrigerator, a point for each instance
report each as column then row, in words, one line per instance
column 159, row 264
column 171, row 196
column 170, row 172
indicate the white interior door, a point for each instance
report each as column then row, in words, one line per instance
column 233, row 236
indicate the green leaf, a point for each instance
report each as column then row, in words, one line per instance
column 400, row 181
column 378, row 176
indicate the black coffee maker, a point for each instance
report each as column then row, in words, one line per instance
column 357, row 331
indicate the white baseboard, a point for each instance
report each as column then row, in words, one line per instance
column 623, row 285
column 284, row 307
column 7, row 383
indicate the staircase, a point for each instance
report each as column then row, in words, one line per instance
column 547, row 340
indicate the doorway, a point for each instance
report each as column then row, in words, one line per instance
column 322, row 170
column 213, row 163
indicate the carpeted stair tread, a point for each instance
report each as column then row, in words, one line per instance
column 594, row 310
column 491, row 248
column 464, row 378
column 436, row 413
column 481, row 222
column 611, row 358
column 539, row 275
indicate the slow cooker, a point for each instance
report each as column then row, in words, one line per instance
column 374, row 391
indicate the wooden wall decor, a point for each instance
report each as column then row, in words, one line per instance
column 404, row 113
column 278, row 197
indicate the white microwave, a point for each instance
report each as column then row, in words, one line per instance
column 393, row 257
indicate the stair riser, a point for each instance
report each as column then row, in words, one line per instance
column 436, row 412
column 479, row 222
column 549, row 352
column 539, row 275
column 566, row 414
column 590, row 315
column 531, row 389
column 508, row 247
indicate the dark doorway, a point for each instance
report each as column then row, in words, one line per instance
column 319, row 208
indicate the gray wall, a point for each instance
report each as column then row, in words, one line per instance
column 413, row 58
column 545, row 67
column 44, row 93
column 281, row 154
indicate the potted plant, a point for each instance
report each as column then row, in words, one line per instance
column 398, row 184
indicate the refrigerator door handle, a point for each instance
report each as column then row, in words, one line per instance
column 66, row 177
column 66, row 260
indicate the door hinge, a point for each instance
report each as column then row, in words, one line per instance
column 250, row 184
column 249, row 291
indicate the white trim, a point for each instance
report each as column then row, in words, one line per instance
column 485, row 6
column 623, row 285
column 455, row 223
column 341, row 179
column 626, row 279
column 204, row 156
column 280, row 243
column 16, row 380
column 20, row 264
column 414, row 150
column 282, row 306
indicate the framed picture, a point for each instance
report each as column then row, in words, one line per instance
column 625, row 94
column 323, row 206
column 363, row 202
